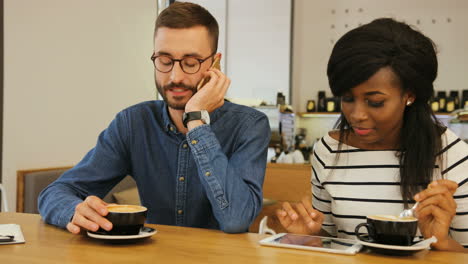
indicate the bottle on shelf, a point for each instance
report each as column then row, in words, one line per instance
column 310, row 106
column 321, row 107
column 464, row 102
column 456, row 98
column 442, row 100
column 450, row 104
column 434, row 103
column 330, row 104
column 280, row 99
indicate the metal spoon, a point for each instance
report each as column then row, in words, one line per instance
column 409, row 212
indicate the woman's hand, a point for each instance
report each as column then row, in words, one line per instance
column 436, row 210
column 302, row 219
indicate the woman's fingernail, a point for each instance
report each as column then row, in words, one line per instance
column 313, row 214
column 416, row 197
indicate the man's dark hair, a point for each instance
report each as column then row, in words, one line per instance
column 386, row 43
column 187, row 15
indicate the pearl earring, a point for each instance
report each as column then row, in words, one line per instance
column 408, row 103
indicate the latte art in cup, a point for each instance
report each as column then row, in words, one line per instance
column 118, row 208
column 126, row 219
column 393, row 218
column 388, row 229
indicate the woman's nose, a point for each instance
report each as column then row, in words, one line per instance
column 358, row 113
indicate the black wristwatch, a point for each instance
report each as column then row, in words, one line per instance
column 197, row 115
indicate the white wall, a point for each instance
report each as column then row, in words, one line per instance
column 70, row 66
column 258, row 48
column 255, row 39
column 318, row 24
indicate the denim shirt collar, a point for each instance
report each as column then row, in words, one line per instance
column 168, row 122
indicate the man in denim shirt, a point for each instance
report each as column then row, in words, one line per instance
column 204, row 171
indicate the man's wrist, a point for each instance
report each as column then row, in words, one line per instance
column 201, row 115
column 193, row 124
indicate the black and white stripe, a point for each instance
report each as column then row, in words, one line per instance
column 366, row 182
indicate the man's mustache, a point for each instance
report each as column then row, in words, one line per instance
column 179, row 85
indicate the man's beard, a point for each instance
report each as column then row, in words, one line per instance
column 176, row 101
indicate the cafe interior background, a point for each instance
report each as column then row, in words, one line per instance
column 70, row 66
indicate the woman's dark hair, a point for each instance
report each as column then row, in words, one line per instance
column 384, row 42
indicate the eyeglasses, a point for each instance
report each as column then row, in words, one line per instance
column 189, row 65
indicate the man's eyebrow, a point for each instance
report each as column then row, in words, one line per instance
column 193, row 54
column 374, row 93
column 162, row 53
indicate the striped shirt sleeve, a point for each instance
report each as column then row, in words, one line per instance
column 455, row 159
column 321, row 199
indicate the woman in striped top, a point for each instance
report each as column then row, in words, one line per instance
column 389, row 151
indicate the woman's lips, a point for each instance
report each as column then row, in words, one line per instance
column 362, row 131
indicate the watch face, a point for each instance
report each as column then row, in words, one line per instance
column 202, row 115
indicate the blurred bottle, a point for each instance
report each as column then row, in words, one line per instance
column 450, row 104
column 442, row 100
column 280, row 99
column 456, row 97
column 331, row 104
column 435, row 103
column 321, row 107
column 464, row 102
column 310, row 106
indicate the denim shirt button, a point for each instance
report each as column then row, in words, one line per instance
column 207, row 173
column 194, row 142
column 180, row 212
column 185, row 146
column 181, row 178
column 171, row 129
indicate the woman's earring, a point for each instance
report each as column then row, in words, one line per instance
column 408, row 103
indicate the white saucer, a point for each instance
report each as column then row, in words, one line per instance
column 423, row 244
column 144, row 232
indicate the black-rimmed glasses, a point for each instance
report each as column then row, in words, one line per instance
column 190, row 65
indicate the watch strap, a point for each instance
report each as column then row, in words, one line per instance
column 189, row 116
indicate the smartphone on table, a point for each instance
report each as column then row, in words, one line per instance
column 316, row 243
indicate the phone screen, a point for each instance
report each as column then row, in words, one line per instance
column 314, row 241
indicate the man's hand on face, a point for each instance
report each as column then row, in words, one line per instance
column 211, row 95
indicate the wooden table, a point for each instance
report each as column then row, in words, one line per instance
column 48, row 244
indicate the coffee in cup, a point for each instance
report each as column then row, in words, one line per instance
column 389, row 229
column 125, row 219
